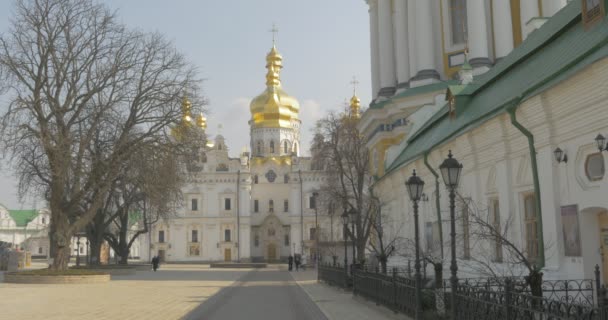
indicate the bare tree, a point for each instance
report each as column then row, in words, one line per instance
column 386, row 240
column 342, row 152
column 150, row 190
column 493, row 234
column 74, row 75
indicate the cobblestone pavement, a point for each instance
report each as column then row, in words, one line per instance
column 261, row 294
column 338, row 304
column 170, row 293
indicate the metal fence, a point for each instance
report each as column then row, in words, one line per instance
column 482, row 304
column 334, row 275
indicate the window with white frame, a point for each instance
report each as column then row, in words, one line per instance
column 194, row 236
column 495, row 220
column 194, row 204
column 466, row 249
column 227, row 204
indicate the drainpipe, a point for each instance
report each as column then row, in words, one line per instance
column 238, row 218
column 437, row 202
column 539, row 217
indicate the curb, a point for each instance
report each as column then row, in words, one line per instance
column 325, row 312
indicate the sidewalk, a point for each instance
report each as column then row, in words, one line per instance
column 338, row 304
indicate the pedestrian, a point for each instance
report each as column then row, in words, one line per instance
column 290, row 262
column 297, row 259
column 155, row 261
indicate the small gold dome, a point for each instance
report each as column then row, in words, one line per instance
column 355, row 107
column 274, row 108
column 201, row 121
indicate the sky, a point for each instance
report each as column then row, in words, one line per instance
column 324, row 43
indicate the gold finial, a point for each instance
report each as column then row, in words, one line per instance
column 355, row 102
column 201, row 121
column 274, row 31
column 186, row 113
column 274, row 63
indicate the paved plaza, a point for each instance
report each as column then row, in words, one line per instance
column 190, row 292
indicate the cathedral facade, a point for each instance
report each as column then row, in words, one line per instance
column 257, row 207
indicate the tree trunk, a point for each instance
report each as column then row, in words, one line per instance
column 124, row 255
column 535, row 281
column 95, row 249
column 360, row 251
column 383, row 261
column 59, row 240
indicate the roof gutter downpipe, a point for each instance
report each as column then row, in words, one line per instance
column 539, row 217
column 437, row 202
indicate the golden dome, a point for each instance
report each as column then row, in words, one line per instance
column 201, row 121
column 355, row 107
column 274, row 108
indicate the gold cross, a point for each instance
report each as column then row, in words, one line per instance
column 354, row 82
column 274, row 31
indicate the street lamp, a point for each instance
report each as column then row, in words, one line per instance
column 353, row 219
column 415, row 185
column 600, row 141
column 344, row 217
column 315, row 196
column 450, row 171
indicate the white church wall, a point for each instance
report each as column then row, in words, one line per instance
column 569, row 115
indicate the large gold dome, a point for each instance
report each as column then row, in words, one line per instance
column 274, row 108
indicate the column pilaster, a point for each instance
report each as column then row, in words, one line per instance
column 374, row 47
column 478, row 36
column 387, row 51
column 503, row 28
column 425, row 45
column 401, row 44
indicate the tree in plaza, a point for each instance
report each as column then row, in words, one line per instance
column 148, row 190
column 73, row 75
column 341, row 151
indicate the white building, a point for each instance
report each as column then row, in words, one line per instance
column 550, row 92
column 25, row 229
column 418, row 42
column 257, row 207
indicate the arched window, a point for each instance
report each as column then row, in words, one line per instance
column 259, row 148
column 219, row 146
column 285, row 147
column 255, row 179
column 271, row 146
column 270, row 206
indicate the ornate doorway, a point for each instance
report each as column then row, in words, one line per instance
column 227, row 255
column 161, row 255
column 272, row 252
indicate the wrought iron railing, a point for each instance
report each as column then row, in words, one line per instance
column 482, row 304
column 392, row 290
column 570, row 291
column 334, row 275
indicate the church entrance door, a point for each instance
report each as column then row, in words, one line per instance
column 227, row 255
column 272, row 252
column 161, row 255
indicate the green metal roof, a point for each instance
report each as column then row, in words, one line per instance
column 550, row 54
column 23, row 217
column 415, row 91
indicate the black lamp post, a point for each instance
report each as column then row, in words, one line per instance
column 315, row 196
column 415, row 185
column 344, row 217
column 600, row 141
column 450, row 171
column 353, row 220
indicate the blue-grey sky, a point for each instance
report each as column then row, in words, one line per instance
column 324, row 44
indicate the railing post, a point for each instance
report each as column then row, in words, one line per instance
column 353, row 272
column 395, row 290
column 597, row 284
column 507, row 300
column 600, row 300
column 378, row 282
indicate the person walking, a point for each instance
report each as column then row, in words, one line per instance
column 155, row 262
column 297, row 260
column 290, row 262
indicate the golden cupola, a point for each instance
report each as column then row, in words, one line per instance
column 355, row 107
column 274, row 108
column 201, row 121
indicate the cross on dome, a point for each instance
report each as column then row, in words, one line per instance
column 274, row 31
